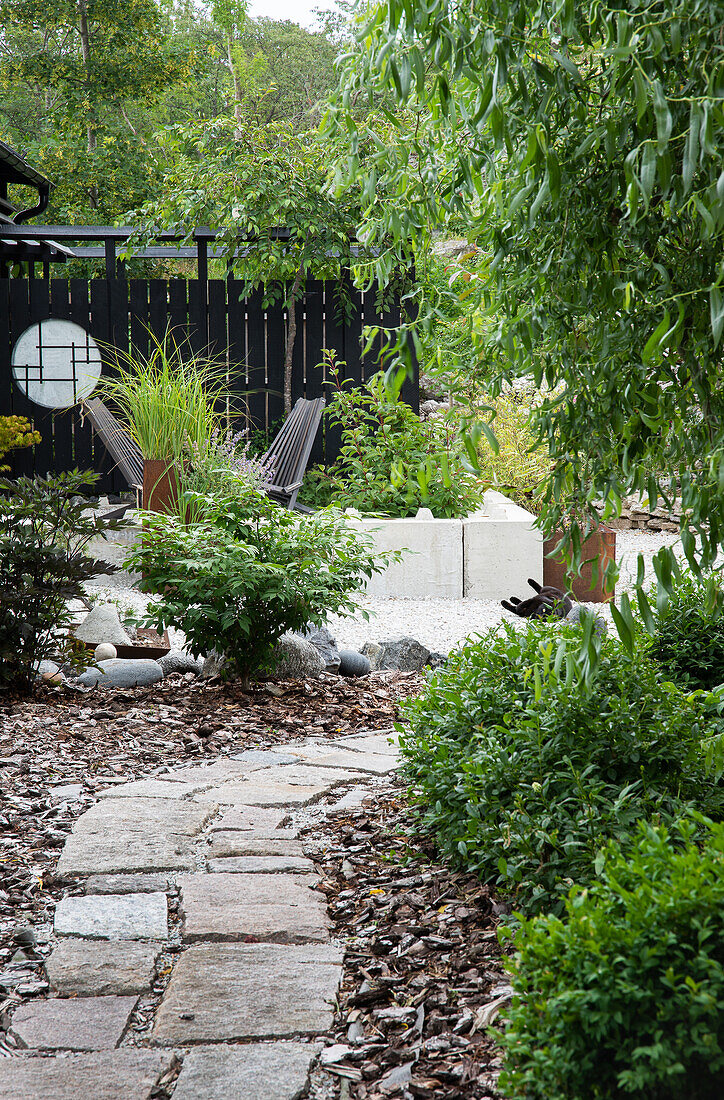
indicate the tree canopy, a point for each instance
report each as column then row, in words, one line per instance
column 582, row 146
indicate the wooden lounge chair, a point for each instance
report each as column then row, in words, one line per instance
column 287, row 457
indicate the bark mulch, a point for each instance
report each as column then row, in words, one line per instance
column 423, row 974
column 59, row 748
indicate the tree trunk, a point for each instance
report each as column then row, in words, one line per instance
column 90, row 125
column 291, row 308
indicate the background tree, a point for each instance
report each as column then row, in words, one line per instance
column 583, row 147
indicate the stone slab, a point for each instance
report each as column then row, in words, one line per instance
column 146, row 788
column 432, row 565
column 235, row 843
column 127, row 884
column 279, row 786
column 255, row 865
column 93, row 969
column 113, row 917
column 76, row 1023
column 376, row 763
column 256, row 1071
column 228, row 991
column 501, row 547
column 203, row 775
column 386, row 743
column 111, row 1075
column 121, row 835
column 262, row 819
column 271, row 908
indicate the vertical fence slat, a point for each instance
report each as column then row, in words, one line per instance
column 6, row 347
column 314, row 341
column 275, row 333
column 334, row 324
column 138, row 311
column 198, row 330
column 23, row 460
column 256, row 359
column 88, row 445
column 158, row 307
column 178, row 313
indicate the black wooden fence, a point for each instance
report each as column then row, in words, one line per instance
column 214, row 317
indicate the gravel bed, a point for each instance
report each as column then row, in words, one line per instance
column 441, row 625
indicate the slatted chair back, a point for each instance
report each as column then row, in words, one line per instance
column 286, row 458
column 117, row 441
column 288, row 454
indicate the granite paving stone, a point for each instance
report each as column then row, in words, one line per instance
column 94, row 968
column 272, row 908
column 322, row 756
column 254, row 865
column 113, row 916
column 283, row 786
column 387, row 743
column 75, row 1023
column 262, row 819
column 149, row 788
column 250, row 844
column 143, row 883
column 255, row 1071
column 121, row 835
column 228, row 991
column 110, row 1075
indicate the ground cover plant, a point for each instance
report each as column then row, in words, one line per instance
column 524, row 774
column 246, row 570
column 45, row 530
column 688, row 632
column 390, row 461
column 623, row 995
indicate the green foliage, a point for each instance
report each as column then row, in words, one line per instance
column 15, row 432
column 524, row 774
column 45, row 530
column 246, row 572
column 582, row 146
column 390, row 461
column 688, row 637
column 168, row 398
column 624, row 996
column 521, row 466
column 221, row 466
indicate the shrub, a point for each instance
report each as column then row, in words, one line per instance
column 625, row 995
column 521, row 467
column 45, row 528
column 390, row 461
column 247, row 571
column 15, row 432
column 222, row 465
column 688, row 640
column 524, row 775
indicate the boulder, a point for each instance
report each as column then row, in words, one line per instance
column 353, row 664
column 122, row 673
column 179, row 661
column 436, row 660
column 214, row 664
column 102, row 625
column 297, row 659
column 574, row 616
column 405, row 654
column 323, row 641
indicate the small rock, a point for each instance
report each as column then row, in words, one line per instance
column 353, row 664
column 25, row 936
column 436, row 660
column 179, row 661
column 405, row 654
column 298, row 659
column 102, row 624
column 122, row 673
column 105, row 652
column 214, row 664
column 323, row 641
column 373, row 652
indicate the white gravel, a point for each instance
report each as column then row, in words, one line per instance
column 441, row 625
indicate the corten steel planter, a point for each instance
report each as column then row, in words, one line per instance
column 160, row 485
column 600, row 545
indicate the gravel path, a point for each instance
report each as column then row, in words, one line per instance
column 441, row 625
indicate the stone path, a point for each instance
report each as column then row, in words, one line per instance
column 196, row 878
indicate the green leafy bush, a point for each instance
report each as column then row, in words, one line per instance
column 524, row 775
column 625, row 995
column 521, row 467
column 15, row 432
column 246, row 571
column 392, row 462
column 45, row 529
column 688, row 639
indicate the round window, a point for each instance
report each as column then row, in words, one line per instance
column 56, row 363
